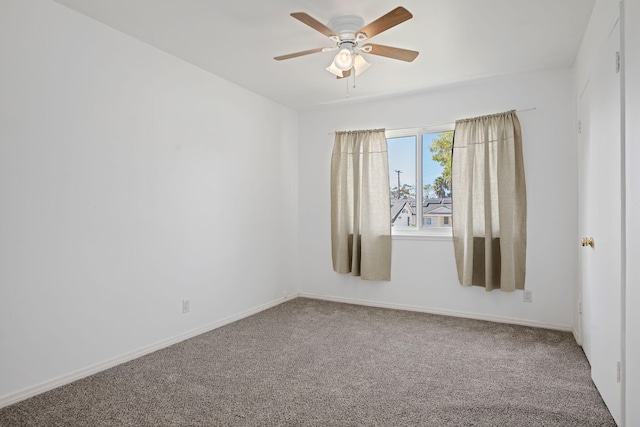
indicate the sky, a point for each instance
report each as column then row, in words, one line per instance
column 402, row 157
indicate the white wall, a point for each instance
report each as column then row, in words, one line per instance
column 120, row 167
column 423, row 272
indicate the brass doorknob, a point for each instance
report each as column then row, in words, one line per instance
column 588, row 241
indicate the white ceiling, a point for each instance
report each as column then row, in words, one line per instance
column 458, row 40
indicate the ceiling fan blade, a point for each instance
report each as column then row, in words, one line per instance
column 345, row 73
column 294, row 55
column 392, row 52
column 391, row 19
column 314, row 23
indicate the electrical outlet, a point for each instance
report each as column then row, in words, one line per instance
column 185, row 306
column 527, row 296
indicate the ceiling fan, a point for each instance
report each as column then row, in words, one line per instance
column 350, row 38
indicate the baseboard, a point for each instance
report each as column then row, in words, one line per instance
column 430, row 310
column 28, row 392
column 576, row 335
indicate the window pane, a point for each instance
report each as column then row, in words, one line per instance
column 436, row 179
column 436, row 164
column 402, row 181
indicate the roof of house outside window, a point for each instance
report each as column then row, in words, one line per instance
column 398, row 204
column 429, row 206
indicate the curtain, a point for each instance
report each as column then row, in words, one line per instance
column 489, row 202
column 360, row 205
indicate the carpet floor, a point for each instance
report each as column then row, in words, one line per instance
column 317, row 363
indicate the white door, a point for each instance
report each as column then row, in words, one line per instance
column 601, row 219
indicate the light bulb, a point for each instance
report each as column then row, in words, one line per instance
column 343, row 60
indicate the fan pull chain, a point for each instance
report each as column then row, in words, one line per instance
column 347, row 79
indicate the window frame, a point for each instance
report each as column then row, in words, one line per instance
column 430, row 233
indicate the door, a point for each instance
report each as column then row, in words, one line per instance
column 600, row 218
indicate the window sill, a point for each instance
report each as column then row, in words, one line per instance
column 442, row 234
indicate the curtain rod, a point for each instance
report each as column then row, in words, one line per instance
column 442, row 124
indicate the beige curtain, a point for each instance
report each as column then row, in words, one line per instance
column 360, row 205
column 489, row 202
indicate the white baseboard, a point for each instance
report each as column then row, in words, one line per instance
column 28, row 392
column 430, row 310
column 576, row 335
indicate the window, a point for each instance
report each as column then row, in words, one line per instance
column 420, row 160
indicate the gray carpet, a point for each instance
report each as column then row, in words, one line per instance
column 317, row 363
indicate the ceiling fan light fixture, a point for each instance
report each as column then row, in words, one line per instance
column 348, row 35
column 343, row 60
column 360, row 64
